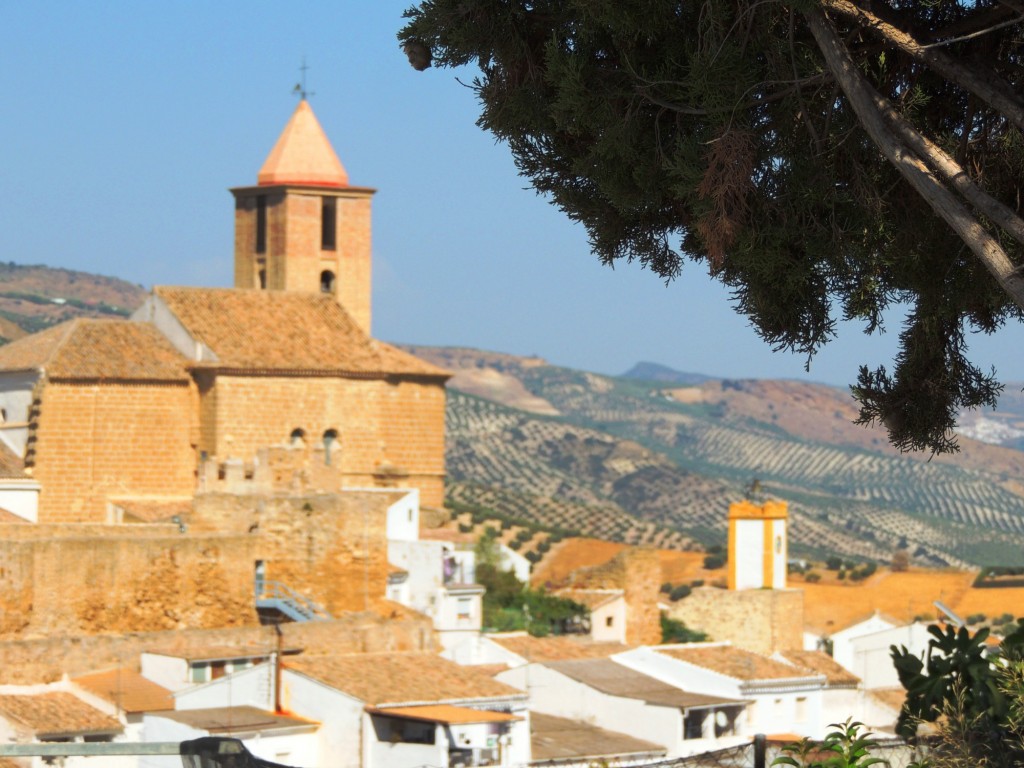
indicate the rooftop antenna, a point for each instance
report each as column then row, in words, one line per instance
column 300, row 87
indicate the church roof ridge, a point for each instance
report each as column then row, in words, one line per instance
column 285, row 331
column 303, row 155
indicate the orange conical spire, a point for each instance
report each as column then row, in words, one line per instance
column 303, row 155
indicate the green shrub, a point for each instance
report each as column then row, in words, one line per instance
column 679, row 593
column 812, row 577
column 713, row 562
column 675, row 631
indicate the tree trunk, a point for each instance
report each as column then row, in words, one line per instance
column 865, row 102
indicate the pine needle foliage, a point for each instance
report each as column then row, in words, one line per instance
column 824, row 159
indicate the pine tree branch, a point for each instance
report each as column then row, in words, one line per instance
column 985, row 85
column 864, row 100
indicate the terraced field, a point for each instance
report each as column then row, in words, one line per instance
column 627, row 461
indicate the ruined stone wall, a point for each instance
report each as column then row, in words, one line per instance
column 92, row 441
column 760, row 620
column 397, row 424
column 45, row 659
column 331, row 548
column 636, row 571
column 68, row 579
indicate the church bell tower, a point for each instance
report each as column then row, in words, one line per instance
column 303, row 227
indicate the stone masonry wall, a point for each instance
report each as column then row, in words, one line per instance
column 65, row 579
column 331, row 548
column 97, row 440
column 760, row 620
column 379, row 423
column 45, row 659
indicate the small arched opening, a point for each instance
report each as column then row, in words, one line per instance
column 327, row 281
column 331, row 444
column 297, row 439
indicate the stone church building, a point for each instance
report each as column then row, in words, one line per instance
column 274, row 384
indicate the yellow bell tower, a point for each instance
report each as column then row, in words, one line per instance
column 757, row 545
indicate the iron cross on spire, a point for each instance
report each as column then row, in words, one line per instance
column 300, row 87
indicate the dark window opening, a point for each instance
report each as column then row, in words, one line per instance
column 263, row 278
column 329, row 223
column 297, row 438
column 330, row 444
column 327, row 281
column 693, row 724
column 218, row 669
column 261, row 223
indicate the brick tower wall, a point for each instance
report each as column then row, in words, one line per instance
column 378, row 422
column 97, row 440
column 759, row 620
column 293, row 255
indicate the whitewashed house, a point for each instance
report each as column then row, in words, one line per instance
column 33, row 714
column 123, row 694
column 607, row 612
column 615, row 697
column 565, row 743
column 386, row 710
column 781, row 698
column 842, row 640
column 514, row 649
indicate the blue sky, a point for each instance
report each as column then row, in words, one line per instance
column 125, row 123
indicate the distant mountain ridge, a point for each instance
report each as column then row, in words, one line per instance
column 658, row 463
column 646, row 371
column 35, row 297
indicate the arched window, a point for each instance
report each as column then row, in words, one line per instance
column 331, row 444
column 297, row 439
column 327, row 281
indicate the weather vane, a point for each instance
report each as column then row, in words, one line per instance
column 300, row 87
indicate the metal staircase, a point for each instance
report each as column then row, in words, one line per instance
column 275, row 597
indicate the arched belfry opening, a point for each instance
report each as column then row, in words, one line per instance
column 328, row 281
column 302, row 212
column 331, row 445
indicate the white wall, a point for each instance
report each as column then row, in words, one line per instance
column 403, row 518
column 510, row 560
column 15, row 400
column 169, row 671
column 749, row 554
column 424, row 562
column 872, row 662
column 600, row 630
column 481, row 649
column 20, row 497
column 252, row 687
column 340, row 717
column 842, row 648
column 555, row 694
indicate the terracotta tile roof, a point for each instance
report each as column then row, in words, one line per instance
column 284, row 331
column 733, row 662
column 617, row 680
column 392, row 679
column 129, row 690
column 32, row 352
column 116, row 350
column 556, row 738
column 303, row 154
column 12, row 466
column 821, row 663
column 235, row 719
column 56, row 714
column 560, row 648
column 447, row 714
